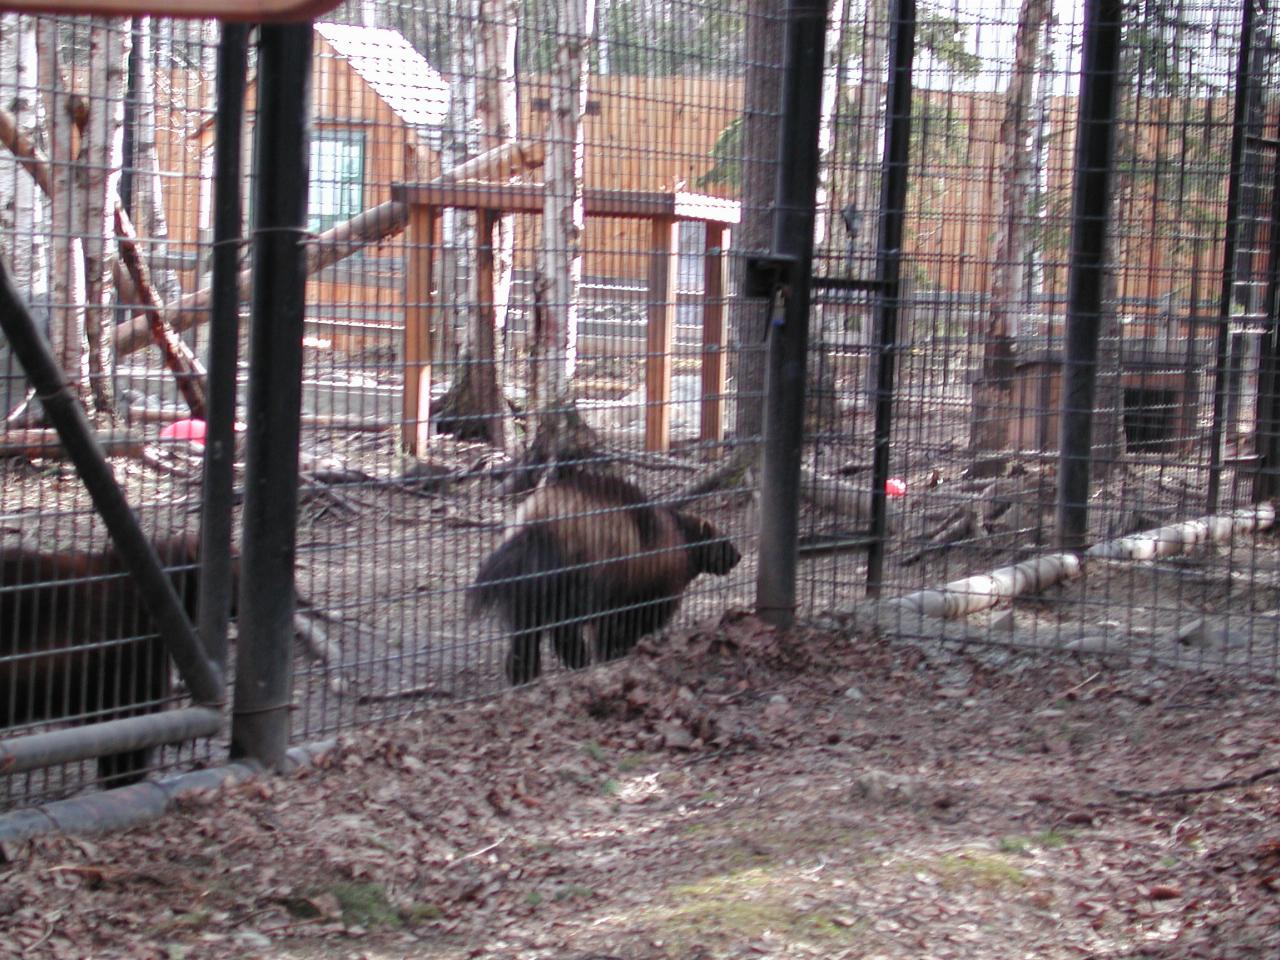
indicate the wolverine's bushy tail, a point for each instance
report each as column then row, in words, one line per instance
column 526, row 580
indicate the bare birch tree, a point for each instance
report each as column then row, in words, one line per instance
column 23, row 219
column 97, row 186
column 993, row 391
column 558, row 431
column 148, row 213
column 473, row 408
column 758, row 165
column 460, row 142
column 868, row 127
column 66, row 320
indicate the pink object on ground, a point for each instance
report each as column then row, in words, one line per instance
column 192, row 430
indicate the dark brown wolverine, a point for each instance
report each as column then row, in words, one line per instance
column 86, row 650
column 590, row 550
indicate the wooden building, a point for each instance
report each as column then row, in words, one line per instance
column 378, row 109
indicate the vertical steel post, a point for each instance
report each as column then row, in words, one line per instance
column 224, row 344
column 263, row 687
column 784, row 400
column 1221, row 368
column 893, row 204
column 1090, row 206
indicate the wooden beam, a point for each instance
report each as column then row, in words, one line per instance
column 527, row 198
column 715, row 281
column 499, row 165
column 415, row 409
column 245, row 11
column 664, row 260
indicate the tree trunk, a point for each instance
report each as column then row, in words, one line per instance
column 752, row 236
column 868, row 131
column 457, row 227
column 474, row 407
column 555, row 430
column 97, row 183
column 824, row 326
column 559, row 269
column 66, row 320
column 148, row 211
column 993, row 391
column 26, row 219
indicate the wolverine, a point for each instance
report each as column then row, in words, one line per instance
column 77, row 642
column 591, row 551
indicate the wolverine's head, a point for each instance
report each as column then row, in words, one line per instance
column 711, row 550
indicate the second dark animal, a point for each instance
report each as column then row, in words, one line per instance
column 76, row 641
column 592, row 552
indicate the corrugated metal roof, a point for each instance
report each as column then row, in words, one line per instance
column 401, row 76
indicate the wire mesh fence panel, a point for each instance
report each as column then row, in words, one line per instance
column 514, row 331
column 1182, row 373
column 97, row 221
column 525, row 227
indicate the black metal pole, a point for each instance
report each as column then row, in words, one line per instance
column 789, row 339
column 78, row 439
column 893, row 209
column 1090, row 206
column 1221, row 372
column 224, row 344
column 263, row 688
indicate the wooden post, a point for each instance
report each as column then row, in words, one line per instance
column 663, row 269
column 714, row 284
column 415, row 409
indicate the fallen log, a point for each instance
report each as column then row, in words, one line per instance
column 962, row 597
column 44, row 444
column 1177, row 537
column 140, row 413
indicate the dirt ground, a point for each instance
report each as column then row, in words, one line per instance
column 724, row 793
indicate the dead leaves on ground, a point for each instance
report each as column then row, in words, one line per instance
column 732, row 792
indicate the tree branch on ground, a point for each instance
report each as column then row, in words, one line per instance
column 188, row 372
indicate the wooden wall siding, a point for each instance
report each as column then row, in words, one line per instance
column 952, row 193
column 184, row 105
column 652, row 133
column 642, row 133
column 955, row 198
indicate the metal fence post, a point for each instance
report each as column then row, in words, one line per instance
column 1090, row 207
column 263, row 687
column 893, row 213
column 784, row 400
